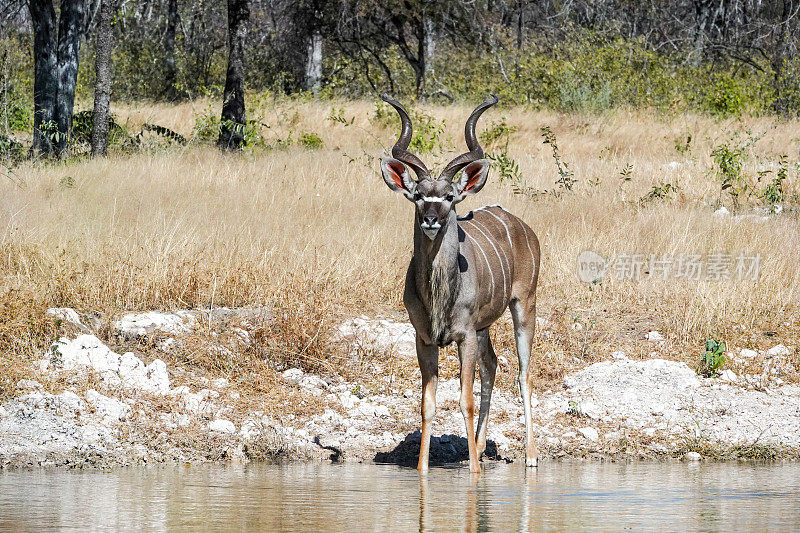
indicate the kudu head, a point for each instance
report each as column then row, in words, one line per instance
column 435, row 198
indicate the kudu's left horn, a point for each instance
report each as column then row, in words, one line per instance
column 400, row 149
column 475, row 150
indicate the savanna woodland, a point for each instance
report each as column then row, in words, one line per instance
column 172, row 154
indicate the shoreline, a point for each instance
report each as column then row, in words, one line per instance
column 88, row 406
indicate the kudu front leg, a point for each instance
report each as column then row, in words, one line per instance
column 468, row 354
column 428, row 357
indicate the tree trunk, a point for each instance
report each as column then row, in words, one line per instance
column 429, row 45
column 314, row 62
column 102, row 86
column 231, row 134
column 169, row 46
column 45, row 82
column 780, row 105
column 69, row 31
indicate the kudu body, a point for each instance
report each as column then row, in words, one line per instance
column 464, row 273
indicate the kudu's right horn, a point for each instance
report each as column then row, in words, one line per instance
column 475, row 150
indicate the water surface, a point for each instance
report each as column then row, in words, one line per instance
column 324, row 497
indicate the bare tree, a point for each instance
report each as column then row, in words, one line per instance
column 231, row 134
column 102, row 86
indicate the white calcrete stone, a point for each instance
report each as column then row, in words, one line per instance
column 619, row 355
column 221, row 425
column 590, row 433
column 310, row 382
column 135, row 325
column 110, row 410
column 654, row 336
column 83, row 351
column 66, row 314
column 158, row 377
column 729, row 376
column 692, row 456
column 748, row 354
column 293, row 376
column 722, row 212
column 779, row 349
column 132, row 371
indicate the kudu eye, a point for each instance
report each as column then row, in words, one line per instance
column 449, row 197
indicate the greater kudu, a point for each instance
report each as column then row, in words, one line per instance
column 464, row 272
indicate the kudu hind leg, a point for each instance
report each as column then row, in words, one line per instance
column 524, row 323
column 428, row 358
column 487, row 364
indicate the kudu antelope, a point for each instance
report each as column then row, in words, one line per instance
column 464, row 272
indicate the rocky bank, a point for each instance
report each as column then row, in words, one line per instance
column 130, row 412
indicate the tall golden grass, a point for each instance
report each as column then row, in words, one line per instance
column 317, row 234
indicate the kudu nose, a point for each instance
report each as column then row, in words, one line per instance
column 429, row 221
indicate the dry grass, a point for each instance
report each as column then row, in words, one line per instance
column 317, row 235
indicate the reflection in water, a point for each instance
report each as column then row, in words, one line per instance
column 322, row 497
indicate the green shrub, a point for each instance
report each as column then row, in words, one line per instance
column 310, row 140
column 712, row 359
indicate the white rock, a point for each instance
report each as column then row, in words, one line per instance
column 250, row 428
column 722, row 212
column 619, row 355
column 348, row 400
column 310, row 381
column 649, row 432
column 293, row 376
column 779, row 349
column 692, row 456
column 157, row 376
column 729, row 376
column 590, row 433
column 654, row 336
column 29, row 384
column 502, row 361
column 70, row 401
column 83, row 351
column 208, row 394
column 748, row 354
column 220, row 383
column 221, row 425
column 132, row 371
column 110, row 410
column 135, row 325
column 380, row 333
column 66, row 314
column 588, row 408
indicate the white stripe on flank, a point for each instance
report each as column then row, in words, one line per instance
column 489, row 207
column 506, row 227
column 488, row 266
column 502, row 268
column 505, row 256
column 432, row 199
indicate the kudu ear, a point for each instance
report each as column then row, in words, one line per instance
column 396, row 176
column 473, row 178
